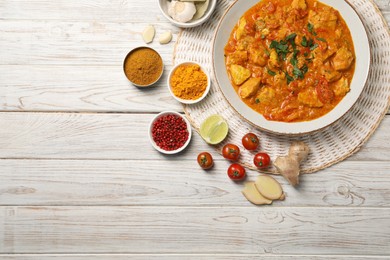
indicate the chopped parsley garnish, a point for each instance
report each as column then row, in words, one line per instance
column 280, row 47
column 283, row 48
column 289, row 78
column 305, row 68
column 310, row 43
column 291, row 37
column 309, row 59
column 313, row 47
column 310, row 27
column 294, row 61
column 304, row 41
column 257, row 101
column 298, row 74
column 321, row 39
column 270, row 72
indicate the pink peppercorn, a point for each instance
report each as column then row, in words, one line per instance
column 170, row 132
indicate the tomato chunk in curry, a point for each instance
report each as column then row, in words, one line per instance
column 291, row 60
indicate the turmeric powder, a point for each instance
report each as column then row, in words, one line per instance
column 188, row 82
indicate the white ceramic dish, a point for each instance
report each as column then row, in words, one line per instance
column 163, row 4
column 184, row 101
column 362, row 50
column 154, row 143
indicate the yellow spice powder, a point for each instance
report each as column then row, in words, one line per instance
column 188, row 82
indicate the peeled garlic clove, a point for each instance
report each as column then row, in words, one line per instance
column 148, row 34
column 201, row 9
column 166, row 37
column 182, row 11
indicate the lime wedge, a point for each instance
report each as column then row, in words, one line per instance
column 214, row 129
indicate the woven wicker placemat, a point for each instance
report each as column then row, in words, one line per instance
column 328, row 146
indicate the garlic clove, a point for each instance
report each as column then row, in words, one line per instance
column 182, row 11
column 166, row 37
column 148, row 34
column 201, row 9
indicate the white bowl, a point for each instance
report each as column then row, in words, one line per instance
column 154, row 143
column 163, row 4
column 186, row 101
column 362, row 51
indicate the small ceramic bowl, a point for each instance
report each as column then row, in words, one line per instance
column 154, row 144
column 186, row 101
column 126, row 65
column 163, row 4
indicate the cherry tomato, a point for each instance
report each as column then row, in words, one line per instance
column 324, row 92
column 231, row 152
column 205, row 160
column 236, row 172
column 250, row 141
column 261, row 160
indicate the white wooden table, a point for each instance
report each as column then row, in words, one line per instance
column 79, row 179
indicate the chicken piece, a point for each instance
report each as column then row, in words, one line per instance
column 240, row 32
column 266, row 95
column 239, row 74
column 309, row 98
column 237, row 57
column 273, row 61
column 299, row 4
column 343, row 59
column 329, row 73
column 249, row 88
column 329, row 53
column 341, row 87
column 325, row 19
column 279, row 79
column 260, row 25
column 258, row 57
column 244, row 43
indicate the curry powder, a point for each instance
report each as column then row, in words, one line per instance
column 143, row 66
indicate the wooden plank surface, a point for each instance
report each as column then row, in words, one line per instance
column 113, row 136
column 133, row 183
column 86, row 184
column 95, row 48
column 183, row 256
column 217, row 230
column 82, row 88
column 74, row 43
column 100, row 10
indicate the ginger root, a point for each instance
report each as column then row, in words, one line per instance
column 289, row 166
column 269, row 187
column 265, row 190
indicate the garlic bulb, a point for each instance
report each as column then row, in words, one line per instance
column 181, row 11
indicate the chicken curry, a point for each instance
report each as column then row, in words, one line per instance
column 291, row 60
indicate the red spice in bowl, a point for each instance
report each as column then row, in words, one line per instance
column 169, row 132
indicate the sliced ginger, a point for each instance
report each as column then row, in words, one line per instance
column 263, row 191
column 269, row 187
column 253, row 195
column 289, row 166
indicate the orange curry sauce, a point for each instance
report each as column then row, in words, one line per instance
column 291, row 60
